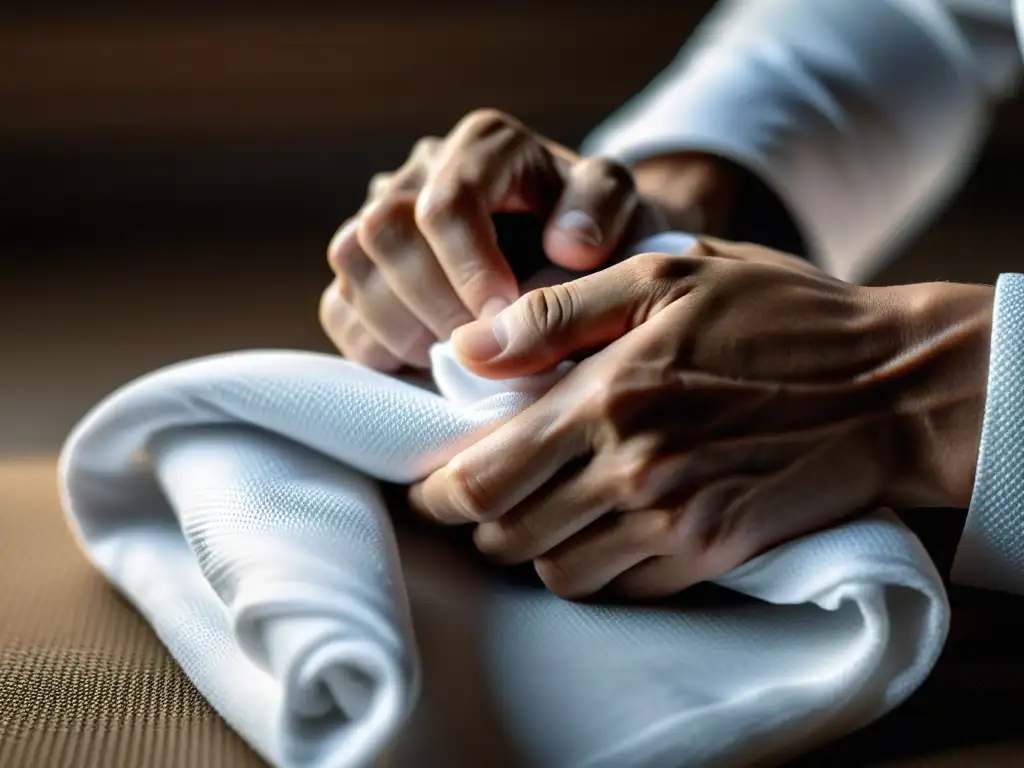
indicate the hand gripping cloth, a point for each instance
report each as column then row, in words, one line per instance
column 234, row 501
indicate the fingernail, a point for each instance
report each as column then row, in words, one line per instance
column 581, row 226
column 481, row 340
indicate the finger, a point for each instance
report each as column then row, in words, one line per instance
column 586, row 563
column 500, row 470
column 340, row 322
column 551, row 324
column 654, row 578
column 379, row 184
column 546, row 519
column 592, row 215
column 380, row 311
column 390, row 237
column 342, row 243
column 487, row 166
column 696, row 544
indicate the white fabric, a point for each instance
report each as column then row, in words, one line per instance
column 232, row 500
column 863, row 116
column 991, row 550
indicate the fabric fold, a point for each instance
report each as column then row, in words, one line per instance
column 234, row 501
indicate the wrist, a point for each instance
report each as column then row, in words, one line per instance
column 942, row 379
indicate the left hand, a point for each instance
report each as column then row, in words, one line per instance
column 422, row 256
column 743, row 399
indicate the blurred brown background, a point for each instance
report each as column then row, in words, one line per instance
column 171, row 172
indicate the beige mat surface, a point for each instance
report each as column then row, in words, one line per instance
column 83, row 680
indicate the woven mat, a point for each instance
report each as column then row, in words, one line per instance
column 83, row 680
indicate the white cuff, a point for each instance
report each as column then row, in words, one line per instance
column 991, row 550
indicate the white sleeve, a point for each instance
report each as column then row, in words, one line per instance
column 861, row 116
column 991, row 550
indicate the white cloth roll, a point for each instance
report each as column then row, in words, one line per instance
column 234, row 501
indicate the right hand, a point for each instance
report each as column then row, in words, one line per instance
column 421, row 257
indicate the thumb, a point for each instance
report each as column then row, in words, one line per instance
column 548, row 325
column 592, row 214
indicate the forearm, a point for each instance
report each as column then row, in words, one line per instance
column 861, row 117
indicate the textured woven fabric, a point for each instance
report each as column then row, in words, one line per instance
column 231, row 500
column 991, row 551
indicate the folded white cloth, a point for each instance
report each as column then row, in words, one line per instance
column 233, row 500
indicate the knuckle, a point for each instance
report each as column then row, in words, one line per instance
column 425, row 149
column 379, row 184
column 350, row 264
column 656, row 266
column 387, row 224
column 442, row 204
column 632, row 483
column 486, row 120
column 661, row 278
column 558, row 581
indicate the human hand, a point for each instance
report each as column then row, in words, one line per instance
column 743, row 399
column 421, row 257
